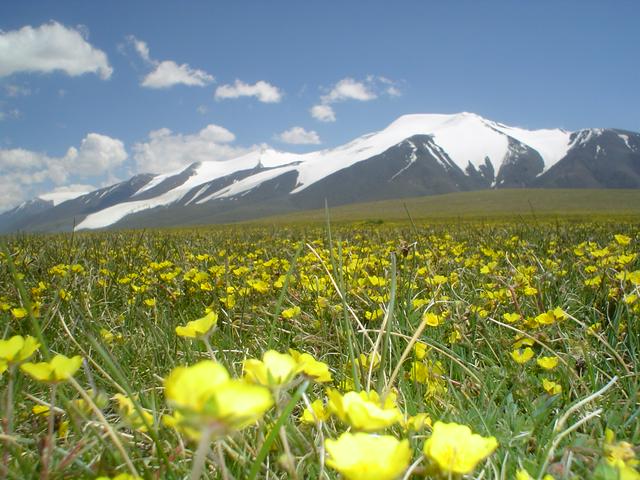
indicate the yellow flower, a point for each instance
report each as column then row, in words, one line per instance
column 523, row 475
column 19, row 312
column 290, row 313
column 522, row 355
column 622, row 456
column 455, row 449
column 551, row 387
column 17, row 349
column 360, row 456
column 130, row 415
column 548, row 363
column 318, row 371
column 431, row 319
column 420, row 349
column 364, row 411
column 364, row 361
column 59, row 368
column 416, row 422
column 150, row 302
column 622, row 239
column 198, row 328
column 205, row 393
column 317, row 413
column 64, row 295
column 274, row 369
column 511, row 317
column 546, row 318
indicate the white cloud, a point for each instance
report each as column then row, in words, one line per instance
column 48, row 48
column 141, row 47
column 324, row 113
column 97, row 154
column 263, row 91
column 202, row 109
column 393, row 91
column 164, row 151
column 349, row 89
column 26, row 173
column 299, row 136
column 168, row 73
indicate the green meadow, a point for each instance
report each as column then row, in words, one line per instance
column 460, row 336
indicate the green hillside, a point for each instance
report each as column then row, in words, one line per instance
column 485, row 204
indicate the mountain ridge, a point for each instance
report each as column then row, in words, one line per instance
column 417, row 154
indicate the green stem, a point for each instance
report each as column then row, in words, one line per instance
column 47, row 455
column 276, row 429
column 8, row 422
column 201, row 454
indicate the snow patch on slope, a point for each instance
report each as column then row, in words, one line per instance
column 202, row 173
column 551, row 144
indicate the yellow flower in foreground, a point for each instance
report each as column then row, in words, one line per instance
column 273, row 370
column 360, row 456
column 622, row 456
column 204, row 394
column 548, row 363
column 522, row 355
column 455, row 449
column 59, row 368
column 198, row 328
column 311, row 367
column 17, row 349
column 364, row 411
column 551, row 387
column 317, row 413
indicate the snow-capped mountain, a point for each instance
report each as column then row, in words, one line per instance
column 421, row 154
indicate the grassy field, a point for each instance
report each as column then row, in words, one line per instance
column 504, row 350
column 485, row 204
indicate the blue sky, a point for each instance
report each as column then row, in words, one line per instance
column 130, row 86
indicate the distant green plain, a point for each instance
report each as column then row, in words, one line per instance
column 581, row 204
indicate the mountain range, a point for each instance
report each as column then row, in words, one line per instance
column 421, row 154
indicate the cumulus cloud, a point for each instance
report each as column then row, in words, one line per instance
column 299, row 136
column 97, row 154
column 168, row 73
column 350, row 89
column 26, row 173
column 165, row 151
column 48, row 48
column 263, row 91
column 324, row 113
